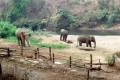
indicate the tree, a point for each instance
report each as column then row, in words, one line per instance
column 65, row 19
column 18, row 11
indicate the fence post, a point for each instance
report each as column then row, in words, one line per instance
column 21, row 50
column 88, row 74
column 91, row 62
column 8, row 52
column 38, row 53
column 50, row 53
column 53, row 58
column 35, row 54
column 100, row 63
column 0, row 70
column 70, row 62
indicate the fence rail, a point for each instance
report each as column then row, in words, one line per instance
column 70, row 60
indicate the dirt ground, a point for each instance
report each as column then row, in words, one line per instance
column 106, row 45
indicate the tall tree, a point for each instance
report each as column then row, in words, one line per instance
column 18, row 10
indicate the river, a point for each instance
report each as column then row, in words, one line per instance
column 95, row 32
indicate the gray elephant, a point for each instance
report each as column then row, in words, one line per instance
column 86, row 39
column 63, row 35
column 22, row 36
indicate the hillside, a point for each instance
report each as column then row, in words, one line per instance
column 52, row 14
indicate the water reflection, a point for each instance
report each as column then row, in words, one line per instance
column 95, row 32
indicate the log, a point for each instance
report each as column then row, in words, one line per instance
column 3, row 47
column 11, row 50
column 98, row 63
column 96, row 68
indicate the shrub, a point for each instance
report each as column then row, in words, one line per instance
column 6, row 29
column 111, row 60
column 65, row 19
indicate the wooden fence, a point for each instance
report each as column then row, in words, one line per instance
column 70, row 60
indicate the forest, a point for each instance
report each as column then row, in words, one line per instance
column 32, row 46
column 56, row 14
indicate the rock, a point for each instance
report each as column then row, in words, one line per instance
column 30, row 56
column 69, row 41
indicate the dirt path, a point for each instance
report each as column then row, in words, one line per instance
column 106, row 45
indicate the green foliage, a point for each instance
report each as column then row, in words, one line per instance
column 39, row 43
column 111, row 60
column 66, row 19
column 34, row 41
column 103, row 4
column 73, row 2
column 34, row 25
column 11, row 39
column 90, row 19
column 108, row 13
column 18, row 11
column 6, row 29
column 101, row 14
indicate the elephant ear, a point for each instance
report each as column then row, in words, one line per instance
column 27, row 34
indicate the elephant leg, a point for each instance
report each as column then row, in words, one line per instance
column 18, row 41
column 87, row 43
column 61, row 37
column 80, row 43
column 23, row 42
column 90, row 44
column 27, row 42
column 65, row 38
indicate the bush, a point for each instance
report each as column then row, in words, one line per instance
column 111, row 60
column 6, row 29
column 65, row 19
column 34, row 25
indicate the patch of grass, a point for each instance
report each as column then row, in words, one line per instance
column 11, row 39
column 34, row 41
column 38, row 43
column 53, row 45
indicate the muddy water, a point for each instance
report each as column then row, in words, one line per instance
column 95, row 32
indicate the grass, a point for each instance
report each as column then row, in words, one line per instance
column 53, row 45
column 38, row 43
column 11, row 39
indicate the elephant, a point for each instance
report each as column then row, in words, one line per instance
column 63, row 35
column 22, row 36
column 86, row 39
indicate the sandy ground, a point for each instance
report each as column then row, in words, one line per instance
column 105, row 45
column 107, row 42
